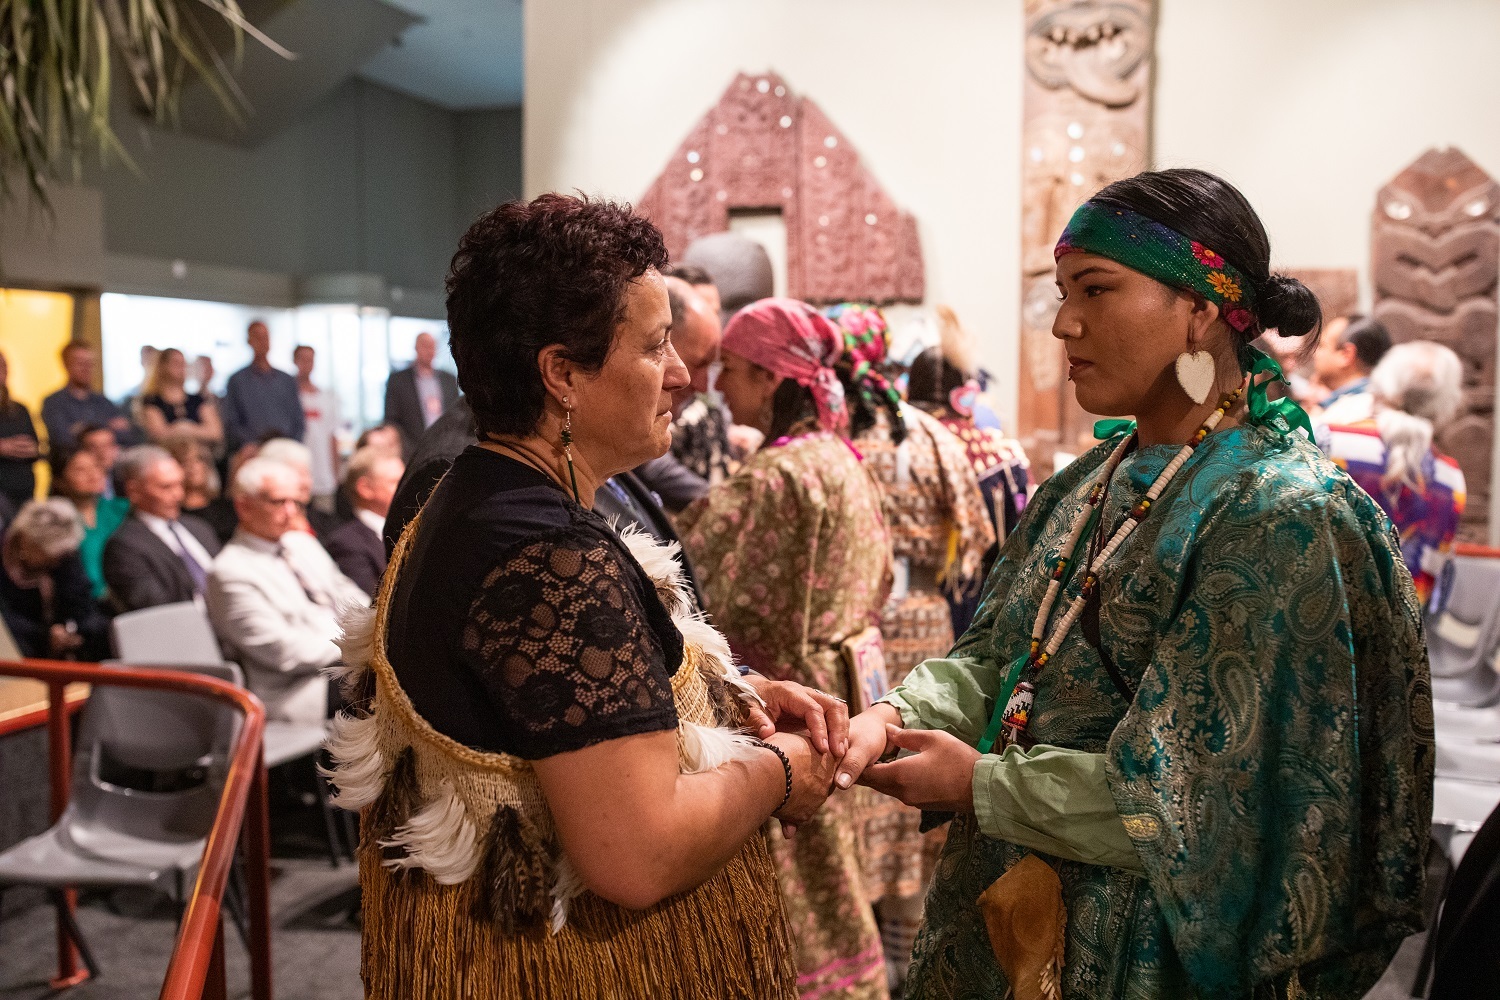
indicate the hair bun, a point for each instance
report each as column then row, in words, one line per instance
column 1289, row 307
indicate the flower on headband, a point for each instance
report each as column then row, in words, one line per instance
column 1240, row 319
column 1225, row 285
column 1205, row 256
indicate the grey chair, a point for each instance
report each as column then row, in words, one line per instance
column 180, row 635
column 1464, row 637
column 148, row 770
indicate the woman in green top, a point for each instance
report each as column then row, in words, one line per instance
column 1216, row 727
column 77, row 476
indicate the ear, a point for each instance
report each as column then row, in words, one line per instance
column 558, row 373
column 1204, row 314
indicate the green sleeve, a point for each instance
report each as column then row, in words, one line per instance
column 1053, row 800
column 953, row 695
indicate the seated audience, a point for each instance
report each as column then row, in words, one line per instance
column 298, row 457
column 159, row 555
column 357, row 547
column 44, row 591
column 104, row 444
column 76, row 405
column 274, row 596
column 1348, row 352
column 18, row 445
column 1415, row 390
column 381, row 437
column 202, row 492
column 169, row 410
column 78, row 478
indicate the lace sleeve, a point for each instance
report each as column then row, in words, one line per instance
column 562, row 644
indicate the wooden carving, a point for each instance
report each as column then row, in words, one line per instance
column 1337, row 289
column 763, row 148
column 1087, row 116
column 1435, row 251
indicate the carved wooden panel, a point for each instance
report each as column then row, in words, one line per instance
column 1087, row 119
column 761, row 147
column 1435, row 251
column 1337, row 288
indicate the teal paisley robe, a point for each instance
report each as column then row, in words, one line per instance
column 1274, row 769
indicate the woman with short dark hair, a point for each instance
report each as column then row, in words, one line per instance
column 1188, row 738
column 557, row 801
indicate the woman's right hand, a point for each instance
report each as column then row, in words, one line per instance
column 812, row 778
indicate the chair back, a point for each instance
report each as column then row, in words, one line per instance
column 148, row 767
column 167, row 635
column 1463, row 639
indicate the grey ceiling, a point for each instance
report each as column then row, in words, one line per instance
column 460, row 53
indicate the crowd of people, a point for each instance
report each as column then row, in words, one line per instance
column 664, row 514
column 727, row 654
column 241, row 504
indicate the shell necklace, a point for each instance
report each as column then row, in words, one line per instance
column 1013, row 709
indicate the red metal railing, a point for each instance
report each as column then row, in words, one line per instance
column 197, row 966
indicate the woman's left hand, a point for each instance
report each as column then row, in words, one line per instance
column 938, row 777
column 791, row 706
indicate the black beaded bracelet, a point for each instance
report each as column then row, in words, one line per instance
column 786, row 765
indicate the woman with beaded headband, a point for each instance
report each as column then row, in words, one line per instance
column 1188, row 737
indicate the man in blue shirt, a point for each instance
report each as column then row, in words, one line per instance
column 76, row 405
column 259, row 399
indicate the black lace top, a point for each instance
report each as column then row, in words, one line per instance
column 521, row 624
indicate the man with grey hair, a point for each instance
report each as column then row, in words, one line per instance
column 358, row 546
column 158, row 555
column 274, row 595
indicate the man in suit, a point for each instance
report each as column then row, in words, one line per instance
column 415, row 397
column 158, row 555
column 274, row 596
column 357, row 547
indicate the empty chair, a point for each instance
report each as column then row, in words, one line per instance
column 148, row 771
column 1463, row 638
column 180, row 635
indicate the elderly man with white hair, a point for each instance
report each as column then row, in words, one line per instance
column 274, row 596
column 158, row 555
column 299, row 457
column 1416, row 389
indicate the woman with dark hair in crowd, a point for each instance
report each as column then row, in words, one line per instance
column 1188, row 736
column 18, row 445
column 940, row 532
column 559, row 802
column 797, row 559
column 943, row 382
column 78, row 477
column 167, row 409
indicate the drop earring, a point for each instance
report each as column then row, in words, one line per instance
column 567, row 447
column 1196, row 373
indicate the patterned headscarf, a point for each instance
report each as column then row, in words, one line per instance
column 1157, row 251
column 793, row 340
column 867, row 342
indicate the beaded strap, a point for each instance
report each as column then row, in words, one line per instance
column 1013, row 708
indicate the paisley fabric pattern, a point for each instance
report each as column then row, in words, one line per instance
column 1274, row 769
column 796, row 557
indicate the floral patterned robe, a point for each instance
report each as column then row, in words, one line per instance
column 1274, row 767
column 795, row 557
column 940, row 530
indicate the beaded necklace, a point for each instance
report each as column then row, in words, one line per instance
column 1013, row 709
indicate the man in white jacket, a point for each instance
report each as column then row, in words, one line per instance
column 274, row 596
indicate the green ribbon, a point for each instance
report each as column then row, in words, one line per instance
column 1106, row 429
column 1281, row 415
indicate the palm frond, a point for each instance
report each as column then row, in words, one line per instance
column 58, row 63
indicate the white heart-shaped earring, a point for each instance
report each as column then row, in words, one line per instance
column 1196, row 374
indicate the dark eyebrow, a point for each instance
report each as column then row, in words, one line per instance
column 1089, row 270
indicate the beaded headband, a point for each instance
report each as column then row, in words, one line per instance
column 867, row 343
column 1160, row 252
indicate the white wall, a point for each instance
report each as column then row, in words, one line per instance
column 1309, row 105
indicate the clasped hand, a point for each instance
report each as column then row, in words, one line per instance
column 838, row 751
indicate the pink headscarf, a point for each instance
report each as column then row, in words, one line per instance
column 793, row 340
